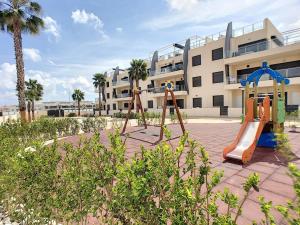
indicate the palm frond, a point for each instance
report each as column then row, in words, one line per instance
column 26, row 13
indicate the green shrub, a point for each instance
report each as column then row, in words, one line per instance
column 165, row 185
column 72, row 114
column 93, row 124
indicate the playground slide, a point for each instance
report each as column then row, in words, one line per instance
column 245, row 144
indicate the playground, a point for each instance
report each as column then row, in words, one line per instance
column 275, row 185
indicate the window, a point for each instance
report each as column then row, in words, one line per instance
column 197, row 81
column 108, row 107
column 126, row 105
column 197, row 102
column 218, row 77
column 150, row 104
column 217, row 54
column 196, row 60
column 218, row 100
column 107, row 95
column 114, row 106
column 107, row 84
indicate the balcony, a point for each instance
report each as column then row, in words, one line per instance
column 122, row 97
column 266, row 48
column 170, row 55
column 121, row 83
column 290, row 73
column 160, row 91
column 168, row 72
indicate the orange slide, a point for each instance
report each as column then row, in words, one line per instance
column 245, row 143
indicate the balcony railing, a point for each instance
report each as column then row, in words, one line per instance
column 167, row 70
column 162, row 89
column 124, row 95
column 266, row 45
column 288, row 73
column 120, row 82
column 170, row 55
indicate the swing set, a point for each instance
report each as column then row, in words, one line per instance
column 169, row 87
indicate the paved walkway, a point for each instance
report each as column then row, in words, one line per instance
column 275, row 185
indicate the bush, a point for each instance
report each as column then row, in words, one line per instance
column 72, row 114
column 124, row 115
column 164, row 185
column 93, row 124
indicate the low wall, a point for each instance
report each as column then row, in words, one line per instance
column 3, row 119
column 195, row 112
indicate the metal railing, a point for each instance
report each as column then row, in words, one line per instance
column 167, row 70
column 156, row 90
column 124, row 95
column 248, row 29
column 201, row 41
column 170, row 55
column 120, row 82
column 288, row 73
column 266, row 45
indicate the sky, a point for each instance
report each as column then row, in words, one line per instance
column 84, row 37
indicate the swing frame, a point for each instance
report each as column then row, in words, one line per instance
column 136, row 95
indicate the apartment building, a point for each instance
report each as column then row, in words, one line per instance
column 207, row 71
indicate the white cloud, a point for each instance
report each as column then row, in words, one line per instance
column 83, row 17
column 51, row 27
column 33, row 54
column 8, row 83
column 8, row 76
column 197, row 12
column 119, row 29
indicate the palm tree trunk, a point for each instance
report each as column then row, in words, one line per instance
column 99, row 101
column 78, row 108
column 20, row 70
column 28, row 111
column 32, row 110
column 137, row 88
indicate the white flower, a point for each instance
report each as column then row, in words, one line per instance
column 30, row 149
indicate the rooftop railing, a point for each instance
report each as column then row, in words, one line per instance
column 248, row 29
column 201, row 41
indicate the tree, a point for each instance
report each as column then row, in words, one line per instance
column 28, row 96
column 99, row 82
column 78, row 96
column 17, row 17
column 34, row 92
column 138, row 71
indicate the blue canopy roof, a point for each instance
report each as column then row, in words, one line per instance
column 265, row 69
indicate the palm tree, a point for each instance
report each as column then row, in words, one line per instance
column 17, row 17
column 138, row 71
column 34, row 92
column 78, row 96
column 99, row 82
column 28, row 96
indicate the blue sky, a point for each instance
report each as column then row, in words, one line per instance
column 83, row 37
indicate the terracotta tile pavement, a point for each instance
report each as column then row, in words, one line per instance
column 275, row 184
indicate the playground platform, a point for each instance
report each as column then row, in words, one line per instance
column 275, row 185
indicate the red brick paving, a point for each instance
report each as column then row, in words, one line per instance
column 275, row 184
